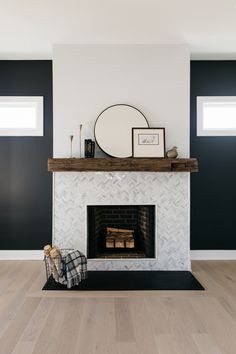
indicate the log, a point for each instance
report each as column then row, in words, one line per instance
column 129, row 243
column 110, row 243
column 117, row 240
column 115, row 230
column 119, row 243
column 123, row 236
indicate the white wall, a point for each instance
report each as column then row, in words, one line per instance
column 88, row 78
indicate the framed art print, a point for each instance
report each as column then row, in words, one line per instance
column 148, row 142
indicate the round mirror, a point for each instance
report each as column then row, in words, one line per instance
column 113, row 129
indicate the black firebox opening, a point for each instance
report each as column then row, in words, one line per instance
column 121, row 231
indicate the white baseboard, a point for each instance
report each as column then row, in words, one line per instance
column 213, row 255
column 21, row 255
column 195, row 255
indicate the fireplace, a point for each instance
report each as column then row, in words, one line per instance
column 166, row 192
column 121, row 231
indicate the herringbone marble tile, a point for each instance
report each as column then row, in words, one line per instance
column 169, row 192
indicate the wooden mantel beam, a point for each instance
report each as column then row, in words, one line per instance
column 122, row 164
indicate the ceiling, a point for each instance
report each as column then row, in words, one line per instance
column 29, row 28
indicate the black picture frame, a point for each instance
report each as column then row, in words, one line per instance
column 148, row 142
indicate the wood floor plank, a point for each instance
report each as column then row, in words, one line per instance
column 206, row 344
column 128, row 347
column 229, row 304
column 34, row 327
column 219, row 324
column 124, row 324
column 10, row 303
column 49, row 337
column 175, row 344
column 65, row 338
column 142, row 326
column 98, row 323
column 10, row 337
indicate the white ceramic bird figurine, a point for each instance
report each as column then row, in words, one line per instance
column 173, row 153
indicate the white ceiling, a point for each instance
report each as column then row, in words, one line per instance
column 29, row 28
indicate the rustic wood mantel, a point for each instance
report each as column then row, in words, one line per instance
column 122, row 164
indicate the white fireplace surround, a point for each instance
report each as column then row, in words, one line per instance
column 168, row 191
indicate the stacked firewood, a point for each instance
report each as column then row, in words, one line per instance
column 119, row 238
column 53, row 257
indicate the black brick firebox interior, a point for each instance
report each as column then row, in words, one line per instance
column 140, row 218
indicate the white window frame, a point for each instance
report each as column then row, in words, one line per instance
column 39, row 129
column 201, row 131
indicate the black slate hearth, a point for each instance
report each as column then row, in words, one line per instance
column 132, row 280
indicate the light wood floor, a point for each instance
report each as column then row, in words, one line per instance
column 146, row 322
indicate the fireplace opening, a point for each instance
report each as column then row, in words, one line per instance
column 121, row 231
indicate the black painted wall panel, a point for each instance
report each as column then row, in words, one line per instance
column 25, row 184
column 213, row 189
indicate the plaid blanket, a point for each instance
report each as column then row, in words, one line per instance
column 73, row 269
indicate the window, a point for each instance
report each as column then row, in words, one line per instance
column 21, row 116
column 216, row 115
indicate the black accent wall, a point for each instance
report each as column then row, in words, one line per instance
column 25, row 184
column 213, row 189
